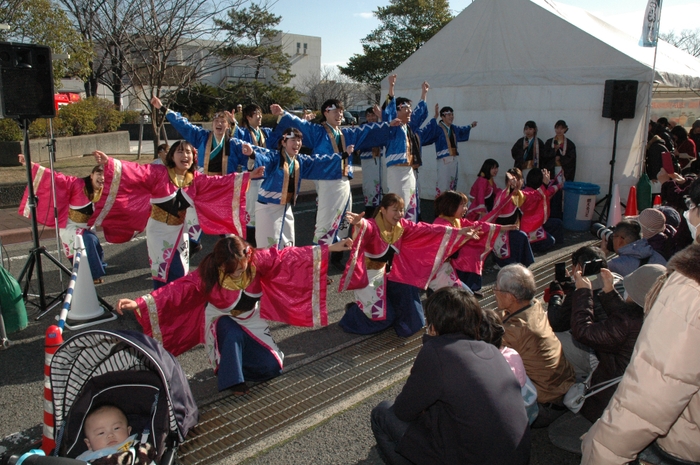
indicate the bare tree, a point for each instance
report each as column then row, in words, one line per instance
column 687, row 40
column 330, row 84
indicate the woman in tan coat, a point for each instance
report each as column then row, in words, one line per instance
column 656, row 409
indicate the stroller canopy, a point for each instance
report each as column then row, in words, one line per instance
column 97, row 352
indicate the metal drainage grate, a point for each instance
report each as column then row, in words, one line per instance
column 232, row 424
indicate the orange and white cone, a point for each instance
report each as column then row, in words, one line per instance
column 52, row 342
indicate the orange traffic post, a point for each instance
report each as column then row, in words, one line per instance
column 52, row 342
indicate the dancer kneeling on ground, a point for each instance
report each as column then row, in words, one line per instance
column 461, row 403
column 225, row 303
column 468, row 262
column 391, row 260
column 77, row 201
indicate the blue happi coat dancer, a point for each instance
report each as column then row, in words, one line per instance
column 403, row 152
column 445, row 136
column 284, row 170
column 371, row 162
column 251, row 132
column 333, row 188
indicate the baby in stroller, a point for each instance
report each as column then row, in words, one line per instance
column 107, row 436
column 119, row 398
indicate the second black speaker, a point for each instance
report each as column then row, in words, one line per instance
column 620, row 99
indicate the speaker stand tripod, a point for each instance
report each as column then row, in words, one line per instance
column 607, row 200
column 35, row 254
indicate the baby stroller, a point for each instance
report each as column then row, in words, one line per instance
column 126, row 369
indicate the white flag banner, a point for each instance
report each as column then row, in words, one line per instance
column 650, row 29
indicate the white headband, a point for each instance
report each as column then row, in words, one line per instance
column 332, row 107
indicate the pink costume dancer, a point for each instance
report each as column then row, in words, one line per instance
column 468, row 262
column 391, row 260
column 528, row 209
column 81, row 211
column 225, row 302
column 218, row 200
column 484, row 190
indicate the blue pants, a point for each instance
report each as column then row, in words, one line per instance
column 404, row 312
column 176, row 270
column 554, row 228
column 242, row 357
column 520, row 250
column 95, row 254
column 471, row 280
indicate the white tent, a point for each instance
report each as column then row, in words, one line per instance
column 504, row 62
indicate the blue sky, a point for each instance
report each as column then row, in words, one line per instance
column 342, row 24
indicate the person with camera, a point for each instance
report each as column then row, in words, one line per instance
column 654, row 413
column 527, row 330
column 632, row 249
column 613, row 339
column 588, row 261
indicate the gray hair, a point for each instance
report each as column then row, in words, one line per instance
column 517, row 280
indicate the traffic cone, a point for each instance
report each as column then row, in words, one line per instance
column 657, row 200
column 85, row 309
column 614, row 215
column 52, row 342
column 631, row 209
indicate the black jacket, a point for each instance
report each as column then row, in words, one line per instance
column 463, row 404
column 613, row 341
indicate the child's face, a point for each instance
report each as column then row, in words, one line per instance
column 106, row 428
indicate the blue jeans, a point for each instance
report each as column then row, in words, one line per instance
column 242, row 357
column 95, row 254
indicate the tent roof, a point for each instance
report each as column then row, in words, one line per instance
column 540, row 42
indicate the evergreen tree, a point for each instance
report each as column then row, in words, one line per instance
column 405, row 26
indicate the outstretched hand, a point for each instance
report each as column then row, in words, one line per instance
column 258, row 173
column 101, row 158
column 354, row 218
column 470, row 232
column 155, row 101
column 21, row 160
column 276, row 110
column 247, row 149
column 377, row 112
column 126, row 304
column 546, row 177
column 342, row 246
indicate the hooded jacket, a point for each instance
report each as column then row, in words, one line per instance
column 630, row 256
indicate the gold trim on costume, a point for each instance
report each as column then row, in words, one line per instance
column 174, row 178
column 230, row 283
column 388, row 235
column 316, row 293
column 113, row 188
column 162, row 216
column 153, row 317
column 78, row 217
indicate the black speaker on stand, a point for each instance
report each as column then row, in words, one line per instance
column 26, row 93
column 619, row 102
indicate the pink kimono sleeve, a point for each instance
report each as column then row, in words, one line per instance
column 293, row 284
column 423, row 248
column 174, row 314
column 220, row 202
column 42, row 189
column 124, row 208
column 355, row 274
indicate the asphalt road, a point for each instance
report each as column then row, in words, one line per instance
column 345, row 438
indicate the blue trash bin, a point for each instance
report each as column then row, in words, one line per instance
column 579, row 205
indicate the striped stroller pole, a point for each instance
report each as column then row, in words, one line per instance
column 52, row 342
